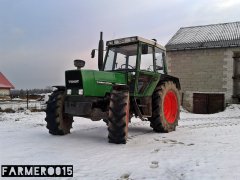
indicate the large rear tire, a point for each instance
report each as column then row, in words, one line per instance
column 118, row 116
column 166, row 107
column 58, row 122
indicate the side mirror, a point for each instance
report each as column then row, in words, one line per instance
column 144, row 49
column 93, row 53
column 79, row 63
column 159, row 68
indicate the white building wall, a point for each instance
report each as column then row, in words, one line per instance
column 205, row 70
column 4, row 92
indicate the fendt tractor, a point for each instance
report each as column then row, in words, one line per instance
column 132, row 80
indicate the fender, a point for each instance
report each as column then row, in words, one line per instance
column 165, row 77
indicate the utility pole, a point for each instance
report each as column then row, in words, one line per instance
column 27, row 98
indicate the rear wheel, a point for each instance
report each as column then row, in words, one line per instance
column 166, row 108
column 118, row 116
column 58, row 122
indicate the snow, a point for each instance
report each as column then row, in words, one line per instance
column 202, row 147
column 18, row 105
column 17, row 99
column 46, row 97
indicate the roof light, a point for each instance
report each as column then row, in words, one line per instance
column 122, row 41
column 110, row 43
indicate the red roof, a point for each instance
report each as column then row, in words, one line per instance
column 4, row 83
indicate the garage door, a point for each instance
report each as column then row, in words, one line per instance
column 208, row 103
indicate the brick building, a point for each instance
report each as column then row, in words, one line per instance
column 5, row 86
column 207, row 61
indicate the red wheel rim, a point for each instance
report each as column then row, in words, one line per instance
column 170, row 107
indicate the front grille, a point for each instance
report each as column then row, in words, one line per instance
column 73, row 79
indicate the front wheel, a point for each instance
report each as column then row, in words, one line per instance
column 118, row 116
column 166, row 107
column 58, row 122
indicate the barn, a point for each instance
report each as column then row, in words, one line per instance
column 207, row 61
column 5, row 86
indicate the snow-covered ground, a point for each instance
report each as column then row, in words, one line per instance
column 21, row 104
column 204, row 147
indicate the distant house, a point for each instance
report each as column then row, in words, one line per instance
column 5, row 86
column 207, row 61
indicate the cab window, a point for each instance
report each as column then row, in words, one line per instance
column 159, row 60
column 146, row 58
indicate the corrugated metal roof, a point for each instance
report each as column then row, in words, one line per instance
column 208, row 36
column 4, row 83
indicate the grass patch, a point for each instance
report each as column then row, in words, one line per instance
column 36, row 110
column 7, row 110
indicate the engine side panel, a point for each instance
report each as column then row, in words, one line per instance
column 94, row 83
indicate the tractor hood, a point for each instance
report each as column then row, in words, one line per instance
column 93, row 83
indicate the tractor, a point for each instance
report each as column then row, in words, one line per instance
column 132, row 80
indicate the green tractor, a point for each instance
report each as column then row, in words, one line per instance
column 132, row 80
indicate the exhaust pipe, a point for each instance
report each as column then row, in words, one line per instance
column 100, row 52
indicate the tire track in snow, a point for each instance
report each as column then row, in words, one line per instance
column 209, row 118
column 138, row 126
column 216, row 122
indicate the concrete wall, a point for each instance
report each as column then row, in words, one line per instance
column 204, row 70
column 4, row 92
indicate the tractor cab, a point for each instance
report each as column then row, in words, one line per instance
column 140, row 59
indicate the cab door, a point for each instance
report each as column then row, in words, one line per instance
column 147, row 77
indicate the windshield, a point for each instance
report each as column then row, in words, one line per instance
column 121, row 58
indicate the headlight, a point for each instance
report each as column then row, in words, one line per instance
column 69, row 92
column 80, row 91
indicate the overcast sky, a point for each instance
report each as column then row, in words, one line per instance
column 39, row 39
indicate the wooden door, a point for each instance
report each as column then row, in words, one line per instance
column 207, row 103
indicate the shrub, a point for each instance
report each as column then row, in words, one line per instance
column 8, row 110
column 36, row 110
